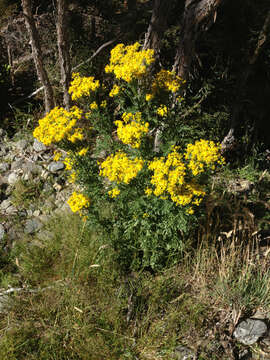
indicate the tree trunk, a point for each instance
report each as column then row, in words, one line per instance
column 63, row 50
column 157, row 25
column 230, row 139
column 37, row 55
column 198, row 16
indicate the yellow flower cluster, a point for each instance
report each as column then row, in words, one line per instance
column 77, row 202
column 82, row 86
column 148, row 97
column 115, row 90
column 77, row 135
column 120, row 168
column 131, row 129
column 57, row 125
column 128, row 62
column 169, row 174
column 203, row 155
column 82, row 152
column 93, row 106
column 162, row 111
column 166, row 80
column 114, row 193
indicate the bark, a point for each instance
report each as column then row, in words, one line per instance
column 157, row 26
column 37, row 54
column 198, row 16
column 230, row 139
column 63, row 50
column 10, row 63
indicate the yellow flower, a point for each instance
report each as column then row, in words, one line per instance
column 82, row 86
column 68, row 163
column 115, row 90
column 128, row 62
column 120, row 168
column 77, row 135
column 114, row 193
column 57, row 125
column 203, row 155
column 148, row 191
column 103, row 104
column 57, row 156
column 148, row 97
column 82, row 152
column 162, row 111
column 94, row 106
column 168, row 81
column 78, row 201
column 131, row 129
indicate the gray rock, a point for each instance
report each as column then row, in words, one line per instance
column 2, row 232
column 21, row 144
column 12, row 178
column 31, row 167
column 245, row 354
column 55, row 166
column 39, row 146
column 11, row 210
column 184, row 353
column 17, row 165
column 249, row 331
column 5, row 204
column 4, row 166
column 32, row 226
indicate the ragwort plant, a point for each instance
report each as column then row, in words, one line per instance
column 140, row 185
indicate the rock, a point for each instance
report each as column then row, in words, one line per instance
column 21, row 144
column 184, row 353
column 11, row 210
column 39, row 146
column 2, row 232
column 249, row 331
column 12, row 178
column 5, row 204
column 4, row 167
column 17, row 165
column 36, row 213
column 245, row 354
column 32, row 226
column 55, row 166
column 31, row 167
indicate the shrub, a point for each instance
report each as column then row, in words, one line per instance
column 143, row 185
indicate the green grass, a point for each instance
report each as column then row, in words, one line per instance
column 84, row 307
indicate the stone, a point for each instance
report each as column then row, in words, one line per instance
column 184, row 353
column 5, row 204
column 31, row 167
column 11, row 210
column 12, row 178
column 32, row 226
column 17, row 165
column 21, row 144
column 2, row 232
column 39, row 146
column 4, row 167
column 249, row 331
column 245, row 354
column 55, row 166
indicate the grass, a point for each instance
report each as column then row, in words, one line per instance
column 76, row 303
